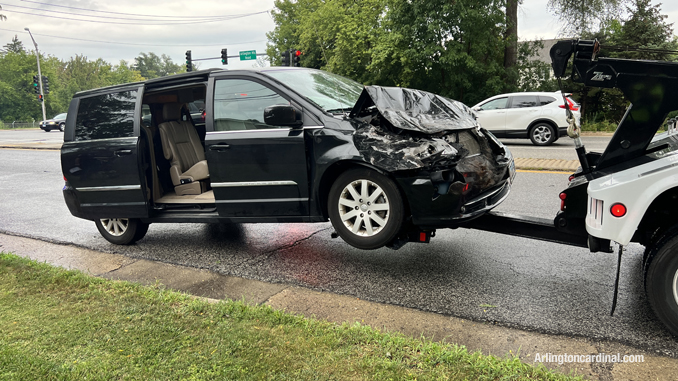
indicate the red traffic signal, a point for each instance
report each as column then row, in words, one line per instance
column 40, row 98
column 296, row 57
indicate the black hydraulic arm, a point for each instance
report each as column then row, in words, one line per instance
column 650, row 86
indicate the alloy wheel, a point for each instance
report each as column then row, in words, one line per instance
column 541, row 134
column 364, row 208
column 115, row 226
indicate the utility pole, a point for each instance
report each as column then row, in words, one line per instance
column 37, row 56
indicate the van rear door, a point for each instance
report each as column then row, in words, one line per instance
column 101, row 157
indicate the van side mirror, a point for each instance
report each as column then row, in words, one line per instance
column 282, row 115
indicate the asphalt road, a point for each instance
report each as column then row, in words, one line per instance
column 31, row 136
column 474, row 275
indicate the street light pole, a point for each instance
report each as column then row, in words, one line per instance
column 37, row 56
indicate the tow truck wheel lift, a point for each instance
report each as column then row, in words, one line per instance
column 629, row 193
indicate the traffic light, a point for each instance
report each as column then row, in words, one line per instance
column 45, row 85
column 189, row 61
column 296, row 57
column 36, row 84
column 285, row 58
column 40, row 98
column 224, row 56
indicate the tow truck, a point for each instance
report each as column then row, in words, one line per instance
column 629, row 192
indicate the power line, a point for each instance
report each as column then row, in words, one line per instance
column 175, row 20
column 132, row 43
column 134, row 23
column 116, row 13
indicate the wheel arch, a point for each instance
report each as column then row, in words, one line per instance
column 339, row 167
column 543, row 120
column 659, row 219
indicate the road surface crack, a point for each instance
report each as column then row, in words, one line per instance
column 270, row 253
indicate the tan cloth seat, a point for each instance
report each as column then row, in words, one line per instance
column 181, row 146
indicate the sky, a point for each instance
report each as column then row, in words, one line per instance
column 125, row 28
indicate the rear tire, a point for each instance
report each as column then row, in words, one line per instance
column 122, row 231
column 542, row 134
column 366, row 208
column 661, row 281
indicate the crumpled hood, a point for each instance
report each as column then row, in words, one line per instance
column 415, row 110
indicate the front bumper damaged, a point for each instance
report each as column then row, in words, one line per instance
column 449, row 168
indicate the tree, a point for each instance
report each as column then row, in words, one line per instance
column 511, row 34
column 2, row 17
column 582, row 16
column 15, row 46
column 153, row 66
column 645, row 28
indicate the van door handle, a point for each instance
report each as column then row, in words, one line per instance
column 123, row 152
column 219, row 147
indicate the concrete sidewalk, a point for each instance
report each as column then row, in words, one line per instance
column 489, row 339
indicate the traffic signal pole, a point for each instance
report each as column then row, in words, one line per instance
column 37, row 56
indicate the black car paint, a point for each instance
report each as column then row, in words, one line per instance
column 322, row 148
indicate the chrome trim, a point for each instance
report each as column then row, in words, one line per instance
column 262, row 200
column 244, row 131
column 253, row 184
column 484, row 199
column 109, row 188
column 658, row 170
column 263, row 130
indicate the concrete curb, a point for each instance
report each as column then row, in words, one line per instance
column 487, row 338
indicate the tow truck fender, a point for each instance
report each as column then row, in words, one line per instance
column 636, row 188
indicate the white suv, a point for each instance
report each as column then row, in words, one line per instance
column 538, row 116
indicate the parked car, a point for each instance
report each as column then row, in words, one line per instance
column 385, row 165
column 537, row 116
column 56, row 123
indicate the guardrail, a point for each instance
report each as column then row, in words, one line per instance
column 18, row 124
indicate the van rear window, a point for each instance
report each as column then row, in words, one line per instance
column 106, row 116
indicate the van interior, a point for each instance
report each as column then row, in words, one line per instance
column 173, row 133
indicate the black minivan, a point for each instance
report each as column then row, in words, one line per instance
column 386, row 165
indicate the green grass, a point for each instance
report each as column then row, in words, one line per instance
column 64, row 325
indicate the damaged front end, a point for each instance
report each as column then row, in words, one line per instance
column 449, row 168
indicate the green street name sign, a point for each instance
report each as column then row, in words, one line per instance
column 248, row 55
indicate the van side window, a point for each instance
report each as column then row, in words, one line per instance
column 239, row 104
column 106, row 116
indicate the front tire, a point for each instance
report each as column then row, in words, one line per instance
column 542, row 134
column 661, row 281
column 365, row 208
column 62, row 126
column 122, row 231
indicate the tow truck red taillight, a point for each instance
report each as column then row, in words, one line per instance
column 618, row 210
column 562, row 196
column 571, row 105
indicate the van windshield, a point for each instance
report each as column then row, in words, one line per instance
column 333, row 93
